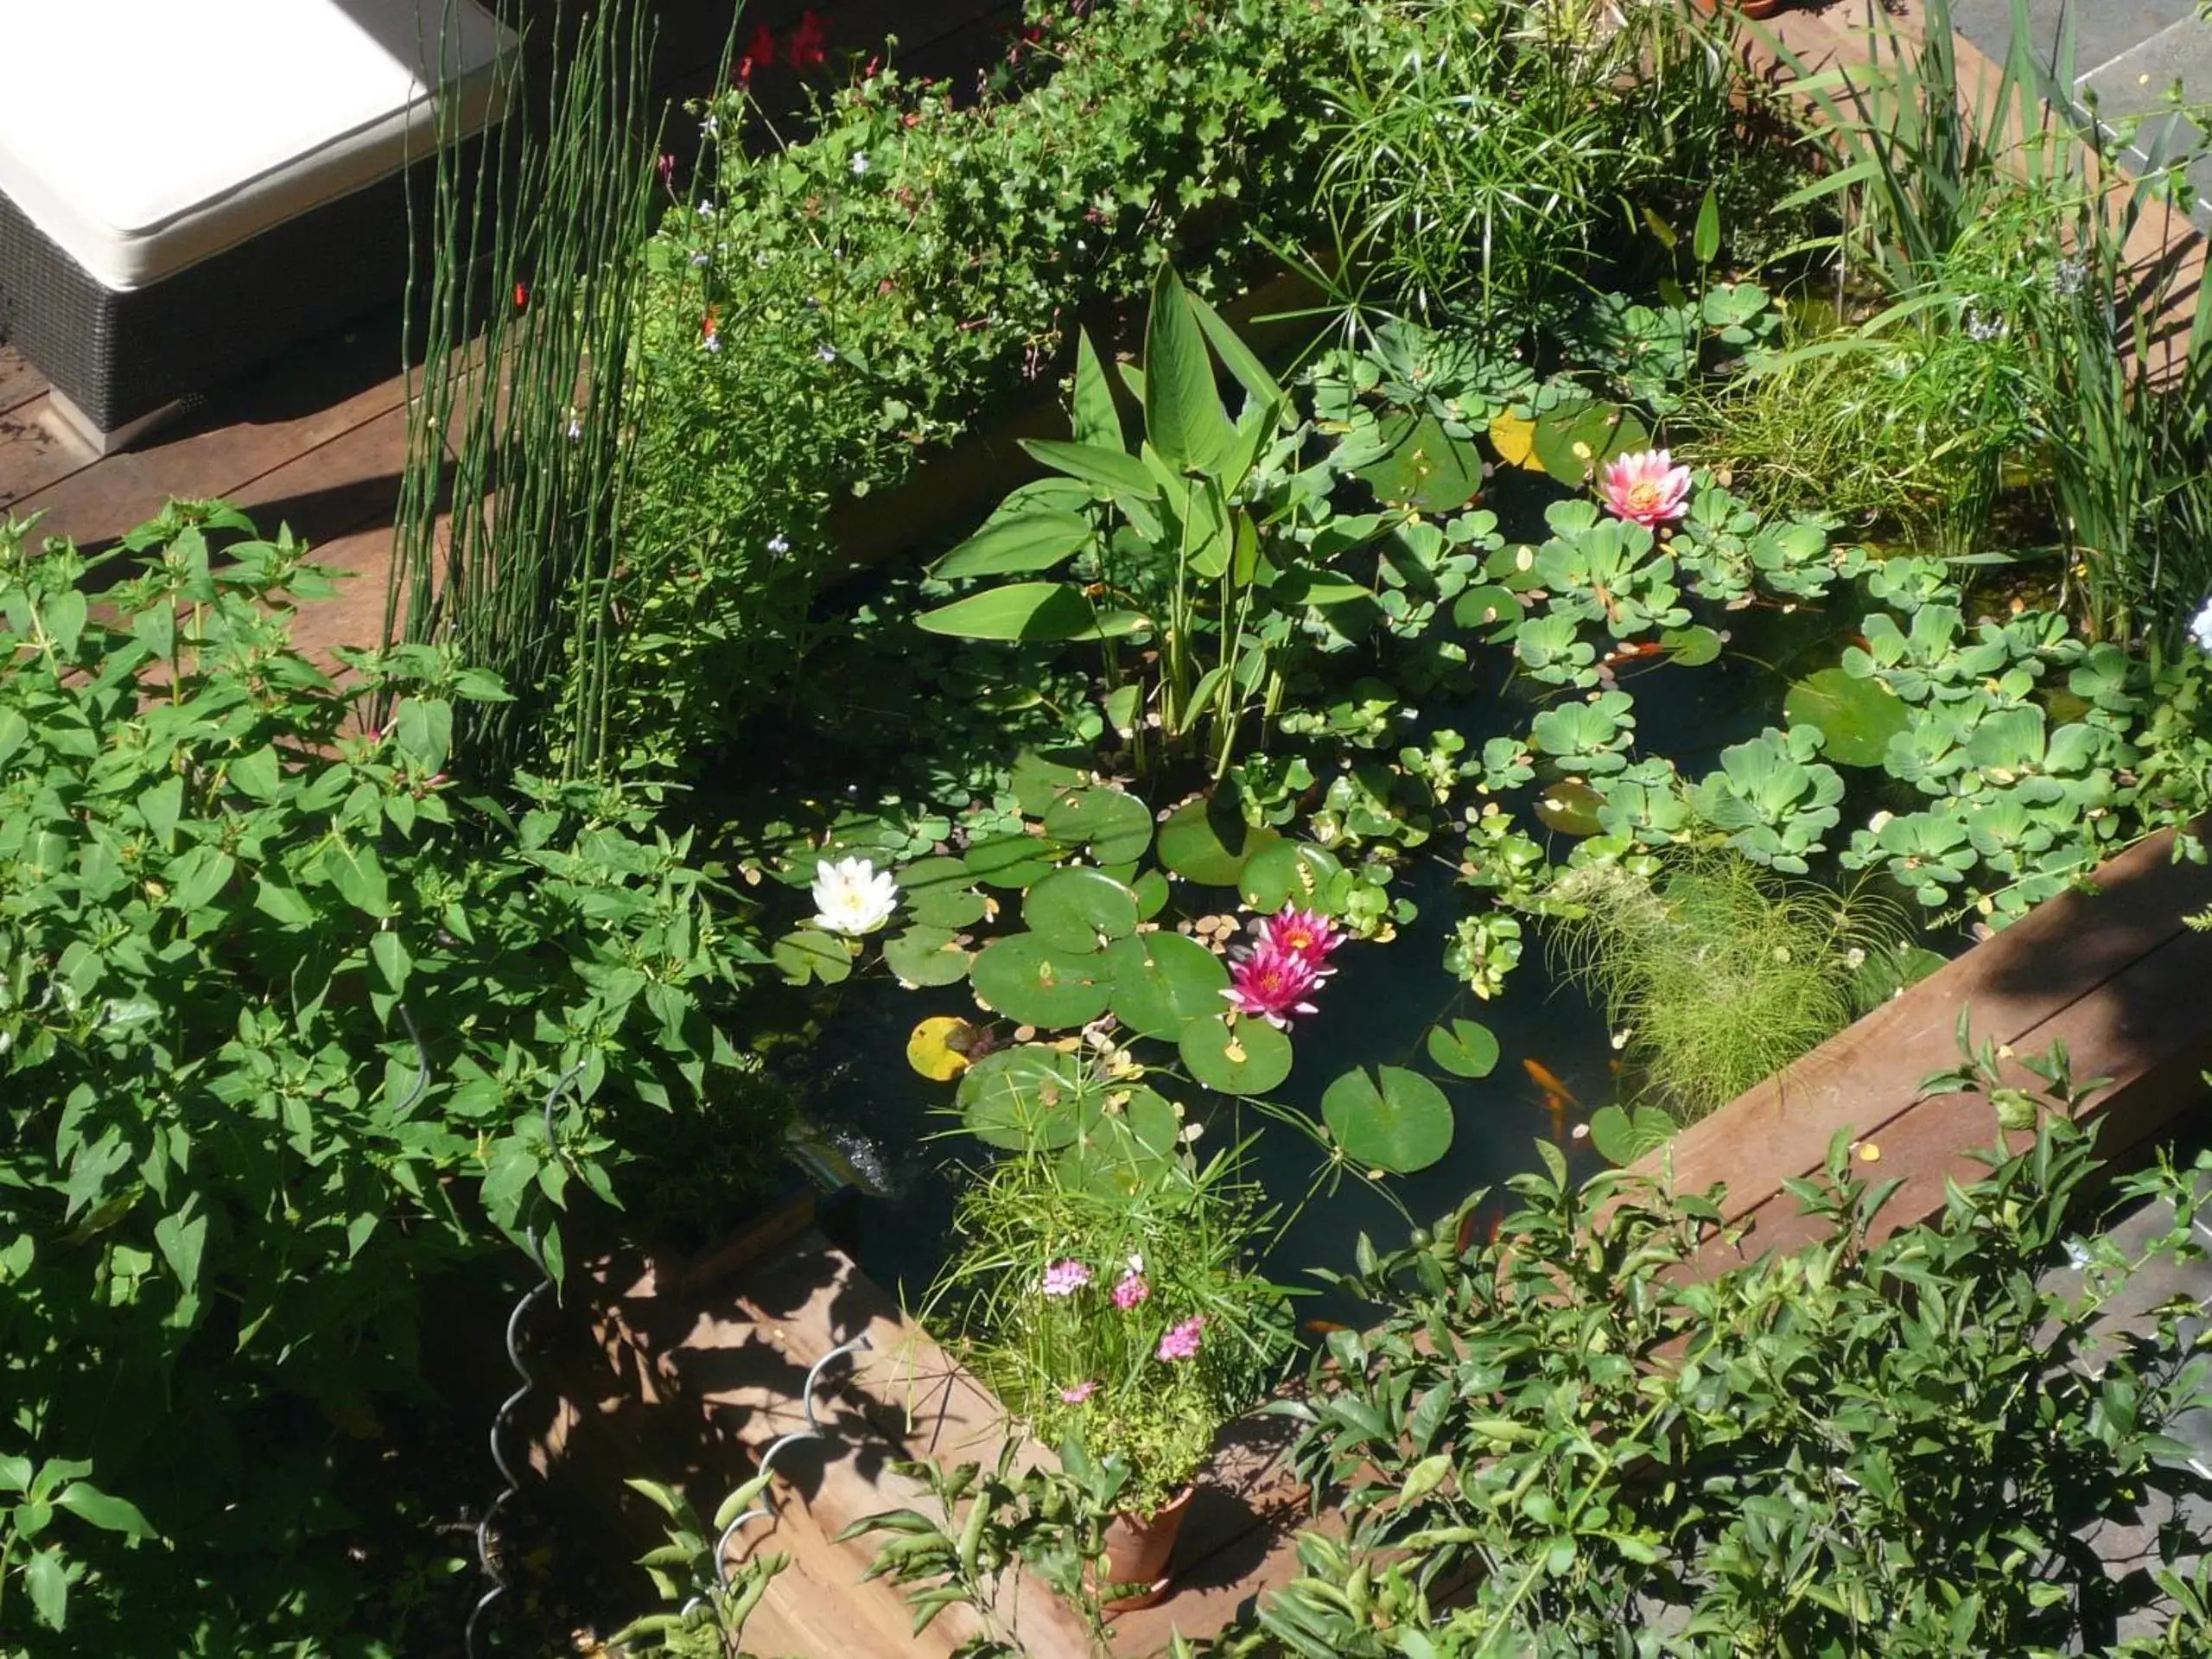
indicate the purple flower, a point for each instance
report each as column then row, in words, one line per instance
column 1130, row 1290
column 1182, row 1342
column 1079, row 1392
column 1065, row 1279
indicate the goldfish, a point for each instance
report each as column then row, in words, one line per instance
column 1547, row 1080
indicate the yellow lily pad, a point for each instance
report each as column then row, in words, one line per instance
column 1514, row 437
column 938, row 1048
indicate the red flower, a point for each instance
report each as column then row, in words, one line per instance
column 522, row 296
column 808, row 41
column 759, row 52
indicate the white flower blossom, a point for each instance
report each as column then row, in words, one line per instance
column 860, row 164
column 779, row 543
column 852, row 897
column 2200, row 629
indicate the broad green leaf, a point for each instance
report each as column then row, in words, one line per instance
column 1079, row 909
column 46, row 1580
column 1093, row 417
column 1857, row 716
column 257, row 775
column 1032, row 540
column 925, row 956
column 1466, row 1049
column 1025, row 1096
column 1114, row 470
column 1237, row 357
column 96, row 1508
column 1036, row 612
column 1114, row 825
column 1032, row 983
column 1235, row 1056
column 1423, row 466
column 1183, row 416
column 1160, row 981
column 1392, row 1120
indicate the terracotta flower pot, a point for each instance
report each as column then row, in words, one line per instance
column 1138, row 1548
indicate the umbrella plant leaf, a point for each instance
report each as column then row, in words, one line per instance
column 1235, row 1056
column 1391, row 1119
column 1031, row 983
column 1161, row 982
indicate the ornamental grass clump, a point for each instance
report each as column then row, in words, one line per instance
column 1714, row 975
column 1131, row 1324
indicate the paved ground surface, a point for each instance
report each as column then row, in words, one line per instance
column 2121, row 58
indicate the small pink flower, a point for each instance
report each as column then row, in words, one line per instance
column 1272, row 983
column 1130, row 1290
column 1065, row 1279
column 1305, row 933
column 1079, row 1392
column 1182, row 1342
column 1646, row 488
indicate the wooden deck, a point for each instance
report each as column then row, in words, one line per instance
column 315, row 437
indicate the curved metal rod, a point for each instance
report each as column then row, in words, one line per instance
column 782, row 1443
column 487, row 1562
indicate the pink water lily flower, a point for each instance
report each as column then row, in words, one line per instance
column 1065, row 1279
column 1305, row 934
column 1182, row 1342
column 1272, row 983
column 1646, row 488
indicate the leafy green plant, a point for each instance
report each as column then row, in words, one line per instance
column 281, row 1012
column 1125, row 1316
column 1184, row 564
column 708, row 1605
column 1713, row 976
column 31, row 1555
column 1593, row 1447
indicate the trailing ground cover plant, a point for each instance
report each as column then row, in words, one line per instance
column 1892, row 1440
column 281, row 1012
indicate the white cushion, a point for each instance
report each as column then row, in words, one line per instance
column 143, row 135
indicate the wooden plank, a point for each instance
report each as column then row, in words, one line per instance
column 1860, row 1080
column 33, row 454
column 248, row 430
column 20, row 379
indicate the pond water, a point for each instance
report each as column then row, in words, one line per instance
column 895, row 1131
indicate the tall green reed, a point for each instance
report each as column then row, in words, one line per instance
column 2117, row 327
column 521, row 304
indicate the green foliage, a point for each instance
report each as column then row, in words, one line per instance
column 1177, row 1247
column 507, row 524
column 879, row 287
column 280, row 1011
column 1484, row 163
column 707, row 1605
column 31, row 1555
column 1712, row 976
column 1588, row 1445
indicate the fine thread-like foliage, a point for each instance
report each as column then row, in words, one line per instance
column 1714, row 975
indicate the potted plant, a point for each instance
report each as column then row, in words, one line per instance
column 1115, row 1308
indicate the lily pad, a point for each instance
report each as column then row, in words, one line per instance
column 1126, row 1147
column 1115, row 825
column 1691, row 648
column 1207, row 842
column 1467, row 1049
column 1080, row 909
column 925, row 956
column 1026, row 980
column 941, row 893
column 1011, row 861
column 1392, row 1120
column 1491, row 610
column 1573, row 444
column 1235, row 1056
column 1151, row 889
column 1033, row 1095
column 938, row 1048
column 1038, row 782
column 1161, row 982
column 1622, row 1136
column 808, row 953
column 1286, row 873
column 1571, row 809
column 1857, row 716
column 1423, row 466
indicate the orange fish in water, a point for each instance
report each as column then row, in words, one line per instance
column 1322, row 1327
column 1548, row 1080
column 1467, row 1228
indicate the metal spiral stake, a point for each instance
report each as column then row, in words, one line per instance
column 781, row 1444
column 487, row 1562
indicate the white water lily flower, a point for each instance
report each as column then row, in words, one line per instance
column 852, row 897
column 2200, row 628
